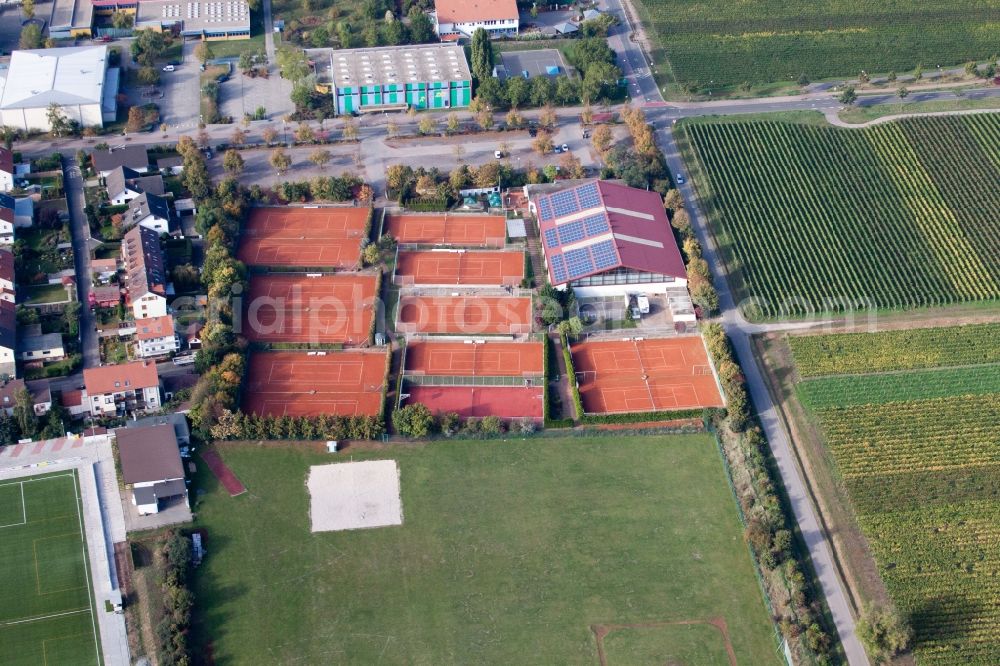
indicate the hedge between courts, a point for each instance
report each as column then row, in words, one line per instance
column 378, row 299
column 548, row 421
column 571, row 375
column 385, row 381
column 639, row 417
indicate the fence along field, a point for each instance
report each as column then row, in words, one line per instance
column 767, row 41
column 922, row 468
column 815, row 218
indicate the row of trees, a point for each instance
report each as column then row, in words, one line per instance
column 222, row 358
column 345, row 187
column 699, row 276
column 178, row 600
column 797, row 606
column 238, row 425
column 416, row 420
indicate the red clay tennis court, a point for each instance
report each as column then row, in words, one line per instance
column 299, row 383
column 644, row 375
column 506, row 402
column 466, row 315
column 292, row 307
column 447, row 229
column 471, row 359
column 304, row 237
column 441, row 267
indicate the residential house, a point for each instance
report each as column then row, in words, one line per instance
column 124, row 184
column 104, row 269
column 174, row 165
column 460, row 18
column 193, row 336
column 7, row 276
column 7, row 170
column 134, row 157
column 151, row 466
column 150, row 211
column 146, row 275
column 8, row 339
column 41, row 348
column 179, row 422
column 115, row 389
column 7, row 205
column 105, row 296
column 75, row 402
column 156, row 337
column 41, row 396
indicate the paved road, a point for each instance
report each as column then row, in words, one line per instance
column 80, row 231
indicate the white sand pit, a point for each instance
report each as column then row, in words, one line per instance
column 354, row 495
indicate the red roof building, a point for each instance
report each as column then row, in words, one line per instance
column 608, row 239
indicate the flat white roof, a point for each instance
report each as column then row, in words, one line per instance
column 66, row 76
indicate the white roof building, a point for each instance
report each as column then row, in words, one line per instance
column 77, row 79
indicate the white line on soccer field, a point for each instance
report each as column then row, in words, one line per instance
column 86, row 565
column 45, row 617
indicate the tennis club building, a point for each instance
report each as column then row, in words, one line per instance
column 388, row 78
column 606, row 239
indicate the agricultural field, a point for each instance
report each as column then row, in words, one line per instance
column 765, row 41
column 510, row 552
column 812, row 218
column 907, row 349
column 918, row 454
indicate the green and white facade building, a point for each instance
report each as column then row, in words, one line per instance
column 426, row 76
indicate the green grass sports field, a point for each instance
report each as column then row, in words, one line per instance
column 916, row 446
column 46, row 608
column 715, row 44
column 510, row 552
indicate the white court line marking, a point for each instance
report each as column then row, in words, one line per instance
column 38, row 618
column 86, row 567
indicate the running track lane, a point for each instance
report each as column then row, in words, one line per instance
column 225, row 476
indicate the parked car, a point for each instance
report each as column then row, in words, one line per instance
column 565, row 148
column 169, row 68
column 497, row 154
column 643, row 302
column 680, row 179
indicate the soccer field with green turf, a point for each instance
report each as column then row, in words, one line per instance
column 546, row 551
column 46, row 608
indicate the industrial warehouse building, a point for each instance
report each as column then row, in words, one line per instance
column 430, row 76
column 203, row 19
column 76, row 79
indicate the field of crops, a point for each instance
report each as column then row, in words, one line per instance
column 852, row 353
column 850, row 390
column 919, row 454
column 813, row 218
column 729, row 43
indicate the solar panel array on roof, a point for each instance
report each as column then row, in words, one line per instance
column 545, row 209
column 551, row 238
column 596, row 224
column 559, row 268
column 589, row 196
column 578, row 262
column 605, row 254
column 577, row 230
column 564, row 203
